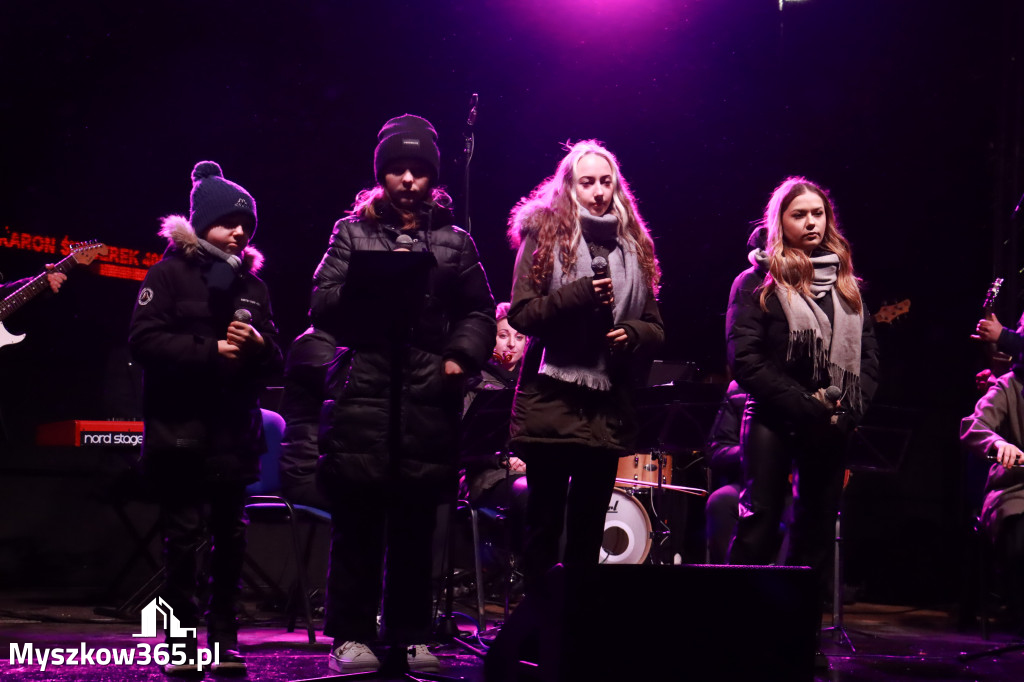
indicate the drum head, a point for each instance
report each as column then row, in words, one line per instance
column 627, row 531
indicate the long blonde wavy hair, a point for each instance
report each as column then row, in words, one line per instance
column 552, row 213
column 791, row 267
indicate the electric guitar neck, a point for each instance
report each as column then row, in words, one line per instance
column 81, row 254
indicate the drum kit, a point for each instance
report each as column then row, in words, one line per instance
column 643, row 511
column 640, row 486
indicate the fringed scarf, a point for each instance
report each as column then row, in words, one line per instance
column 585, row 361
column 833, row 347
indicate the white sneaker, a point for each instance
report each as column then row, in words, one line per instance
column 421, row 660
column 353, row 657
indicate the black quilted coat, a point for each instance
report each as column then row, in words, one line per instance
column 370, row 435
column 201, row 412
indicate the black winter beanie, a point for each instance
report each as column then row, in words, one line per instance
column 406, row 137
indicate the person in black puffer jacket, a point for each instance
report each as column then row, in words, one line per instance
column 590, row 340
column 204, row 334
column 796, row 326
column 386, row 470
column 305, row 376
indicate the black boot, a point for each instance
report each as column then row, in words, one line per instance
column 222, row 640
column 184, row 658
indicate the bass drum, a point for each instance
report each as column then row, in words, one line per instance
column 627, row 531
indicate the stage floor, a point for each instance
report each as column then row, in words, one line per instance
column 891, row 643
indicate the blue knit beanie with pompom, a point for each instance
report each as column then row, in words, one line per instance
column 214, row 197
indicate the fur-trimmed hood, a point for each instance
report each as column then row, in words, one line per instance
column 181, row 236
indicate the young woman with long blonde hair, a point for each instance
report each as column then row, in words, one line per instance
column 588, row 334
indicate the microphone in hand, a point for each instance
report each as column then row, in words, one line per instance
column 833, row 398
column 606, row 295
column 403, row 243
column 237, row 337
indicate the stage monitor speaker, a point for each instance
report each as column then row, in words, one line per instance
column 689, row 622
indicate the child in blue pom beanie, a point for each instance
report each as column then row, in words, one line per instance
column 204, row 334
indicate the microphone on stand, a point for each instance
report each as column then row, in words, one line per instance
column 473, row 101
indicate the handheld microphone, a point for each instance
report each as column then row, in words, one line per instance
column 600, row 268
column 403, row 243
column 242, row 315
column 833, row 394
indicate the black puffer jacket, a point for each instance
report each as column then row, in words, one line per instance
column 201, row 411
column 455, row 322
column 305, row 373
column 757, row 342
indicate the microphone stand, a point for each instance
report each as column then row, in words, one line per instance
column 469, row 143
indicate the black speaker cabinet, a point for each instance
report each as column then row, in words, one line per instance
column 643, row 622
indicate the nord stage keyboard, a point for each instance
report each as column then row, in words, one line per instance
column 83, row 433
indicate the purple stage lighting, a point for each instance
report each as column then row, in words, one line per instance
column 577, row 23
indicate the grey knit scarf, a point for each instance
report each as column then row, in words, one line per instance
column 834, row 346
column 223, row 268
column 585, row 361
column 234, row 261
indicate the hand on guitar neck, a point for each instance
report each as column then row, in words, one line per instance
column 53, row 277
column 988, row 330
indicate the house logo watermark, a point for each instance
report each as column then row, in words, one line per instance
column 157, row 617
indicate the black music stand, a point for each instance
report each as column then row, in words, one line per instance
column 675, row 418
column 379, row 306
column 382, row 296
column 486, row 429
column 878, row 446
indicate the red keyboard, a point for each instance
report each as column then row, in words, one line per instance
column 84, row 433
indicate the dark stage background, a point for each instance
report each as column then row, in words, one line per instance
column 909, row 111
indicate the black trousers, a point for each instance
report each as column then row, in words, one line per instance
column 381, row 545
column 554, row 504
column 188, row 517
column 510, row 494
column 721, row 514
column 1010, row 555
column 769, row 455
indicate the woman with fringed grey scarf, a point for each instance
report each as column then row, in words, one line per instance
column 590, row 336
column 795, row 328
